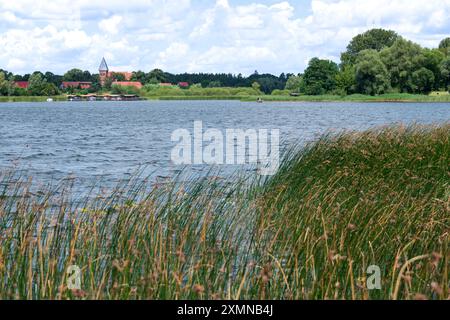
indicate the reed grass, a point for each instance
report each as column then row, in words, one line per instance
column 335, row 207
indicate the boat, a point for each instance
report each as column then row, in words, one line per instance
column 49, row 99
column 259, row 100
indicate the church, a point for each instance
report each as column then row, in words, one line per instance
column 105, row 74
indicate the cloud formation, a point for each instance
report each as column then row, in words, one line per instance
column 235, row 36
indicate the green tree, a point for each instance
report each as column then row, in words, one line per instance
column 376, row 39
column 215, row 84
column 445, row 72
column 268, row 84
column 401, row 60
column 139, row 76
column 157, row 74
column 37, row 84
column 74, row 75
column 18, row 77
column 294, row 83
column 12, row 88
column 108, row 83
column 444, row 46
column 320, row 76
column 96, row 86
column 7, row 75
column 3, row 84
column 86, row 76
column 19, row 91
column 432, row 62
column 345, row 80
column 118, row 76
column 423, row 80
column 371, row 74
column 53, row 78
column 256, row 86
column 153, row 81
column 50, row 89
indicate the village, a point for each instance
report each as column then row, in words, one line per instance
column 82, row 90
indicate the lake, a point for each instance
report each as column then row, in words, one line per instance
column 111, row 140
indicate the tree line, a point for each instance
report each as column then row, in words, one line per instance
column 50, row 84
column 266, row 81
column 375, row 62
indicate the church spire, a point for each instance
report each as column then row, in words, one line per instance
column 103, row 71
column 103, row 66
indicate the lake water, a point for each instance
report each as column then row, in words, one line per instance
column 89, row 140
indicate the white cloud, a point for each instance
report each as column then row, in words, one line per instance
column 75, row 39
column 216, row 57
column 173, row 56
column 245, row 22
column 111, row 25
column 9, row 17
column 15, row 63
column 184, row 35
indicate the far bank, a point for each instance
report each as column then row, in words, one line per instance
column 396, row 97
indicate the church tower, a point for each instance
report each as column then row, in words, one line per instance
column 103, row 71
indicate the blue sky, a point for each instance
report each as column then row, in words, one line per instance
column 237, row 36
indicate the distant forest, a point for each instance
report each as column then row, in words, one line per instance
column 375, row 62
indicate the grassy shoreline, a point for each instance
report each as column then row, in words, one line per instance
column 362, row 98
column 6, row 99
column 403, row 97
column 324, row 98
column 335, row 207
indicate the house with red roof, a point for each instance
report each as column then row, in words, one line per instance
column 76, row 84
column 135, row 84
column 183, row 84
column 21, row 84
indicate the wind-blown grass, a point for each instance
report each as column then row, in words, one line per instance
column 334, row 208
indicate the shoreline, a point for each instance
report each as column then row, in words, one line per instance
column 387, row 98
